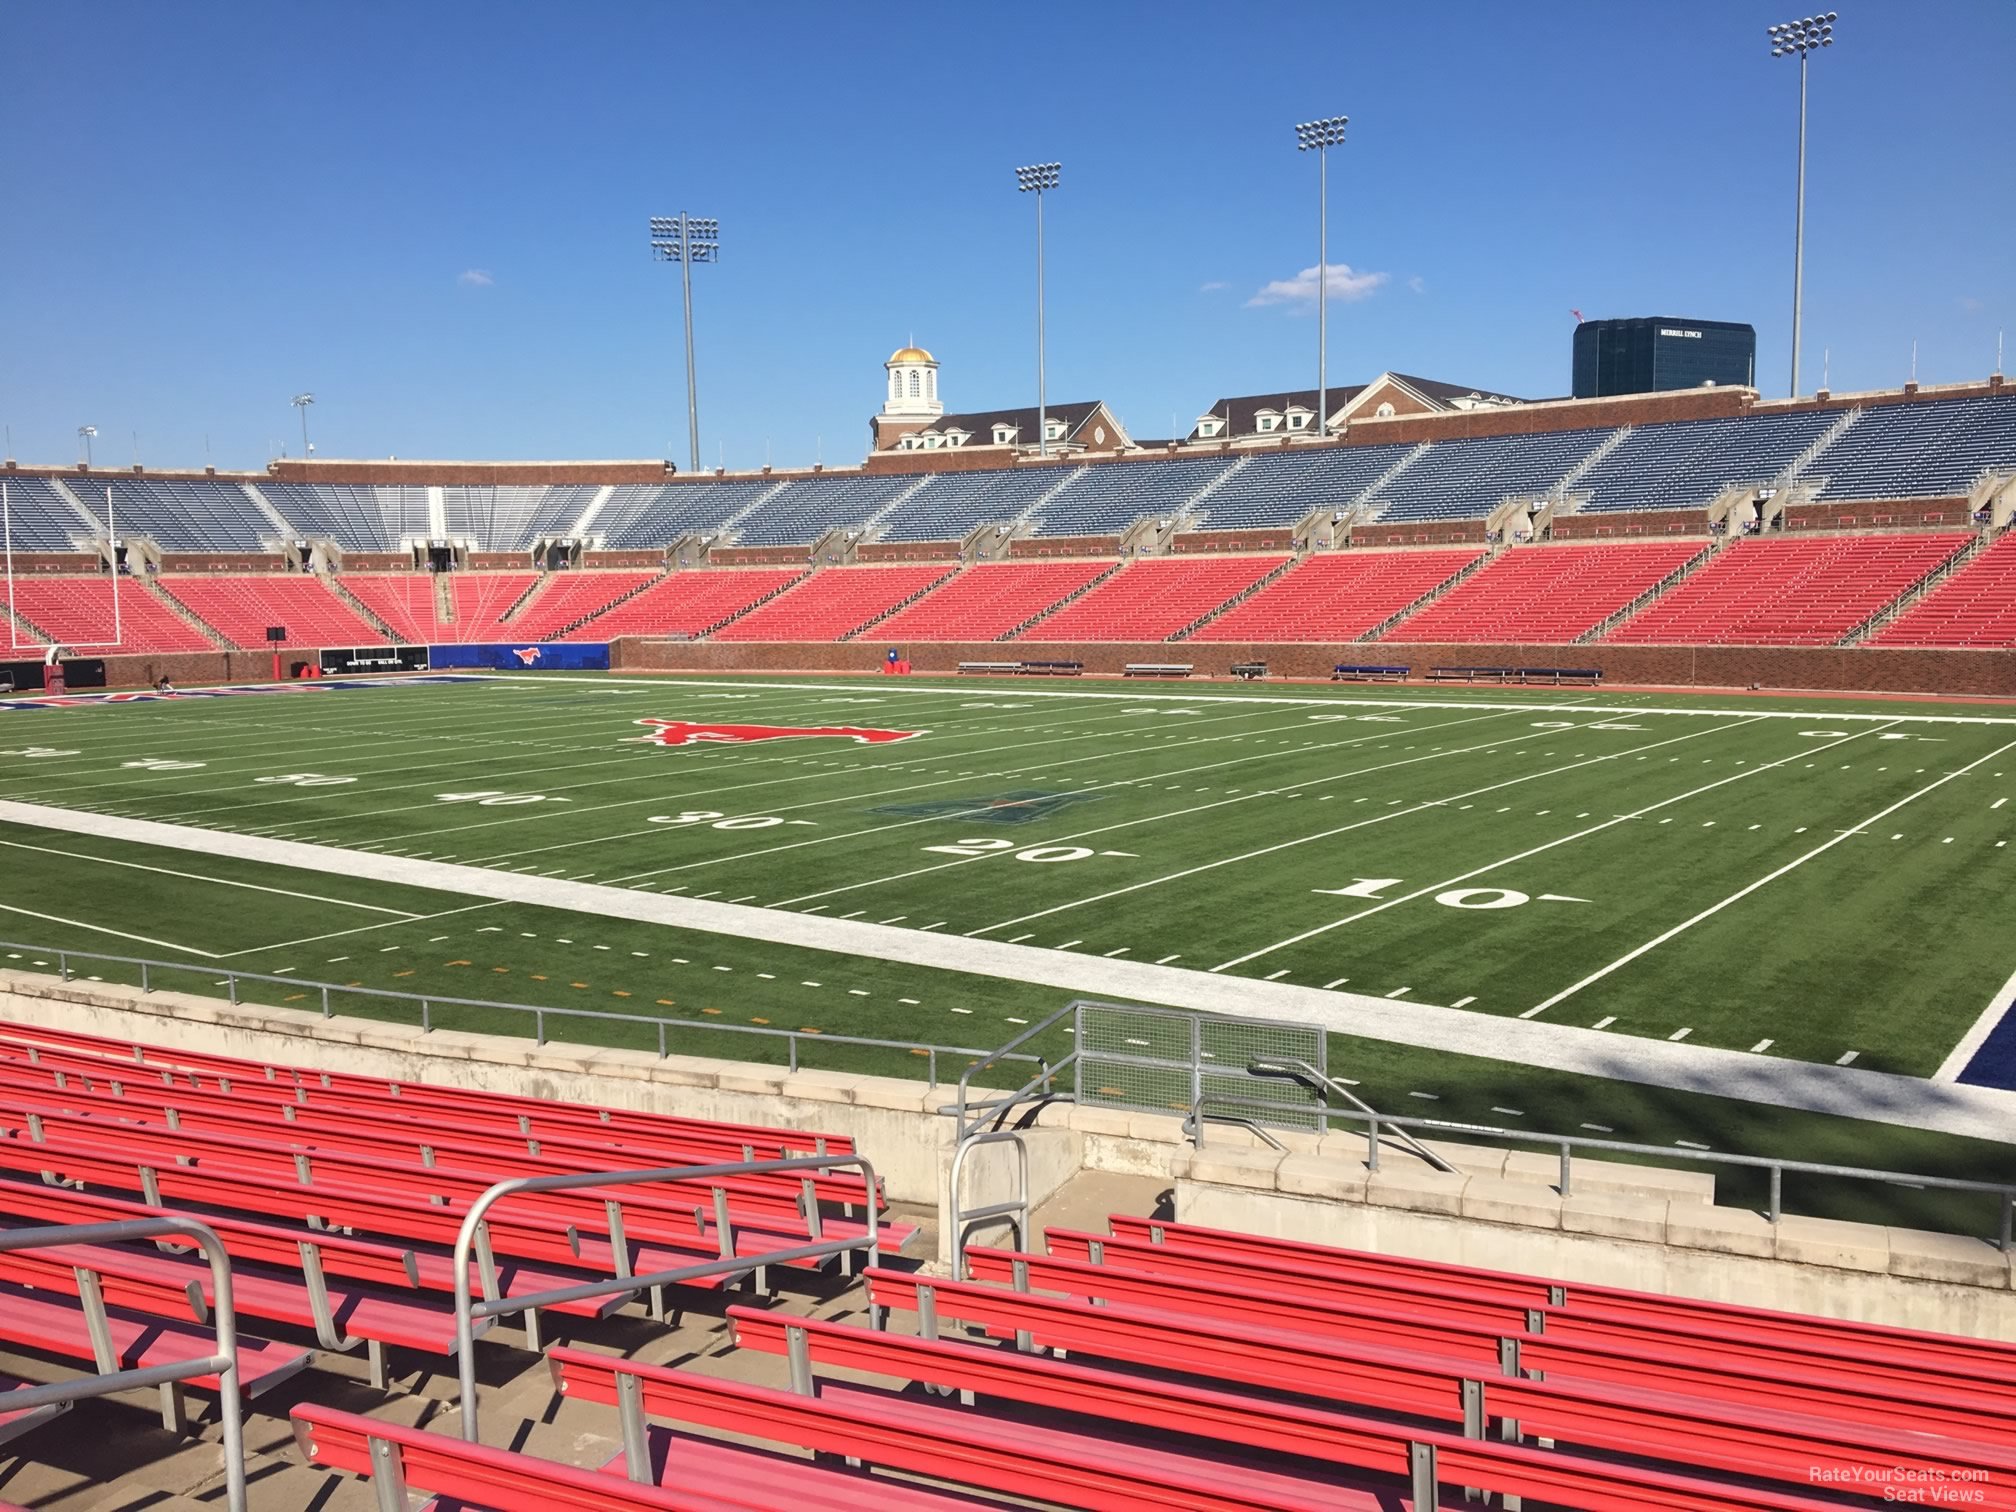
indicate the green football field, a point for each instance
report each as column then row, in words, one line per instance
column 1806, row 879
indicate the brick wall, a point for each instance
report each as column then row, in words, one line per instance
column 1957, row 673
column 218, row 561
column 623, row 559
column 1628, row 523
column 1233, row 540
column 1884, row 514
column 910, row 551
column 1420, row 533
column 760, row 556
column 1065, row 546
column 73, row 562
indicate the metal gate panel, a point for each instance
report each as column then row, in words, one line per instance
column 1162, row 1060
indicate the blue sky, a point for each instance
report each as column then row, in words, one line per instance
column 433, row 215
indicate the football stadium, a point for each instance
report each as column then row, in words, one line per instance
column 1401, row 946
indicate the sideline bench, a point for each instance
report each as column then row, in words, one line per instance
column 1249, row 671
column 1346, row 672
column 990, row 666
column 1559, row 675
column 1158, row 669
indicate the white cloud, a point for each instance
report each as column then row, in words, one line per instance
column 1418, row 284
column 1972, row 305
column 1213, row 286
column 1344, row 283
column 475, row 278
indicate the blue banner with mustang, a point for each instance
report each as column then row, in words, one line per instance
column 546, row 656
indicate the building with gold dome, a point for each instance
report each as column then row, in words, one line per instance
column 913, row 418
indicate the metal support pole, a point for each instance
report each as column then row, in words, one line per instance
column 692, row 383
column 1042, row 411
column 1799, row 234
column 1322, row 291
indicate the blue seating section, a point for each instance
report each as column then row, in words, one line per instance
column 951, row 504
column 507, row 518
column 555, row 514
column 640, row 516
column 1278, row 488
column 179, row 516
column 357, row 516
column 40, row 519
column 1466, row 480
column 810, row 507
column 1108, row 498
column 1686, row 463
column 1934, row 450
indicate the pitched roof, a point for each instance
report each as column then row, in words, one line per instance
column 1244, row 407
column 981, row 423
column 1433, row 388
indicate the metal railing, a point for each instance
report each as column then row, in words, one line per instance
column 110, row 1378
column 794, row 1040
column 1042, row 1085
column 472, row 1241
column 1570, row 1144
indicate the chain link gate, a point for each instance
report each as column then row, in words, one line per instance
column 1162, row 1060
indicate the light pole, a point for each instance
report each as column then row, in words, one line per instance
column 1034, row 180
column 683, row 239
column 301, row 403
column 1801, row 37
column 84, row 434
column 1321, row 136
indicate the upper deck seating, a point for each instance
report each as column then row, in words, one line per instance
column 1976, row 606
column 40, row 519
column 242, row 608
column 985, row 602
column 1106, row 497
column 357, row 516
column 1338, row 596
column 642, row 516
column 1545, row 595
column 1684, row 464
column 951, row 504
column 1778, row 592
column 1933, row 449
column 1152, row 599
column 809, row 507
column 1276, row 488
column 1467, row 479
column 833, row 604
column 178, row 514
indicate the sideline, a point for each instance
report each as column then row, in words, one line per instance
column 1847, row 1092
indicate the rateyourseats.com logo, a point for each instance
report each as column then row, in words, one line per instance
column 1908, row 1485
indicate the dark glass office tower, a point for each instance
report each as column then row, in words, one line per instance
column 1660, row 352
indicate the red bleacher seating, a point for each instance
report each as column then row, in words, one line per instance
column 241, row 609
column 569, row 596
column 79, row 612
column 1544, row 595
column 833, row 604
column 985, row 602
column 1976, row 606
column 403, row 600
column 481, row 600
column 1777, row 592
column 1153, row 599
column 688, row 603
column 1337, row 596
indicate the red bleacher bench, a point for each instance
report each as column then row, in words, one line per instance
column 56, row 1326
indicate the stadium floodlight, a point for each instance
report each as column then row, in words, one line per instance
column 1801, row 38
column 687, row 239
column 84, row 434
column 1319, row 137
column 1034, row 179
column 301, row 403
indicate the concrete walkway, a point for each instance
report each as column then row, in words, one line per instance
column 1982, row 1112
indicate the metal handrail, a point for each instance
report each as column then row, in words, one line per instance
column 223, row 1318
column 428, row 1001
column 1043, row 1079
column 1308, row 1075
column 1569, row 1143
column 467, row 1310
column 1015, row 1209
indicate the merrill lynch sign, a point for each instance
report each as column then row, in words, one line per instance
column 1675, row 331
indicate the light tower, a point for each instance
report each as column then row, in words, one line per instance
column 686, row 240
column 301, row 403
column 1034, row 179
column 1801, row 37
column 84, row 434
column 1320, row 137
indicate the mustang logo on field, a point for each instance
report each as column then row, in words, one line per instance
column 529, row 655
column 680, row 732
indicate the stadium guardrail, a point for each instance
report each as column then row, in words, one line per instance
column 794, row 1039
column 1568, row 1144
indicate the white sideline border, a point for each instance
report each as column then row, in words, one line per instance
column 1877, row 1096
column 2004, row 1002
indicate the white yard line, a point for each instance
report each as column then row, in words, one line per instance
column 101, row 929
column 337, row 934
column 1741, row 893
column 1568, row 839
column 1971, row 1042
column 285, row 892
column 1903, row 1100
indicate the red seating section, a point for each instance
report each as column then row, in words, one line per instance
column 481, row 599
column 241, row 608
column 985, row 602
column 569, row 596
column 833, row 604
column 688, row 603
column 403, row 600
column 1338, row 596
column 1153, row 599
column 1976, row 606
column 78, row 611
column 1544, row 595
column 1788, row 592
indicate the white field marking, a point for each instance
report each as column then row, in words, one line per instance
column 1380, row 818
column 2002, row 1002
column 763, row 851
column 1679, row 1034
column 1340, row 981
column 1768, row 1081
column 1604, row 1022
column 285, row 892
column 1998, row 803
column 1488, row 867
column 337, row 934
column 1463, row 1002
column 29, row 913
column 1744, row 892
column 1284, row 971
column 1396, row 992
column 1167, row 959
column 1761, row 1046
column 1510, row 1112
column 1352, row 701
column 1848, row 1059
column 1103, row 829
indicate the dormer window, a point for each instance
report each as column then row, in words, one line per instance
column 1266, row 420
column 1208, row 427
column 1053, row 430
column 1298, row 419
column 1004, row 435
